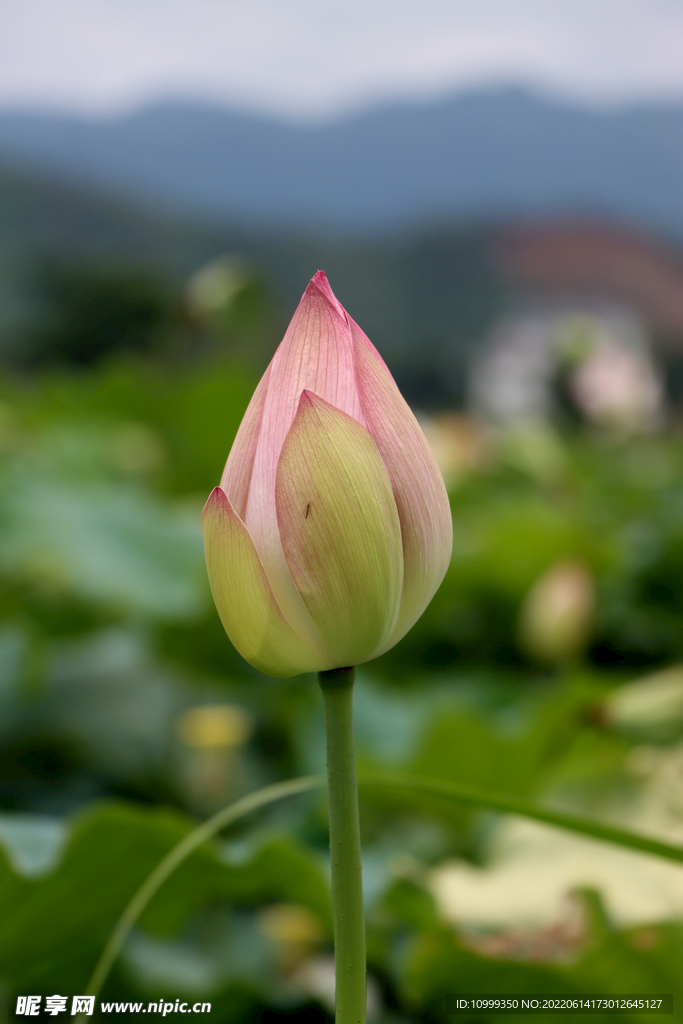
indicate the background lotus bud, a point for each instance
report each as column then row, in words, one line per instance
column 331, row 529
column 556, row 615
column 211, row 765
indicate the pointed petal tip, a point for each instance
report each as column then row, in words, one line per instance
column 321, row 286
column 217, row 497
column 319, row 280
column 309, row 400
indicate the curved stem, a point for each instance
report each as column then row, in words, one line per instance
column 177, row 855
column 347, row 881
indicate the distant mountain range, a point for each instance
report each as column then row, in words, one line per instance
column 481, row 156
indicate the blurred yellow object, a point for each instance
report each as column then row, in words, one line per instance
column 460, row 444
column 294, row 932
column 211, row 763
column 214, row 726
column 556, row 615
column 290, row 922
column 652, row 705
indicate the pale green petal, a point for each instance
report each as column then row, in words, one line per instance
column 316, row 354
column 244, row 599
column 340, row 530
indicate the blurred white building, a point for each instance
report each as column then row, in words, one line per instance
column 599, row 355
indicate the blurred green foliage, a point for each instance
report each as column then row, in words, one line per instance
column 108, row 637
column 424, row 298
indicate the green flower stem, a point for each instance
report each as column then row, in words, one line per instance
column 347, row 881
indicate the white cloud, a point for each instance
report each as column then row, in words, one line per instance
column 301, row 58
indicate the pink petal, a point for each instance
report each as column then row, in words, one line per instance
column 236, row 477
column 359, row 336
column 419, row 491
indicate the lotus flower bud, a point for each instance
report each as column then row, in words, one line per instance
column 331, row 529
column 556, row 616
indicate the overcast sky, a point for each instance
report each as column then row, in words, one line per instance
column 321, row 58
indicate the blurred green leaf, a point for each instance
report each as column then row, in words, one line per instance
column 57, row 924
column 110, row 544
column 468, row 748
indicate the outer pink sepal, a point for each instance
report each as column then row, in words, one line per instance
column 419, row 491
